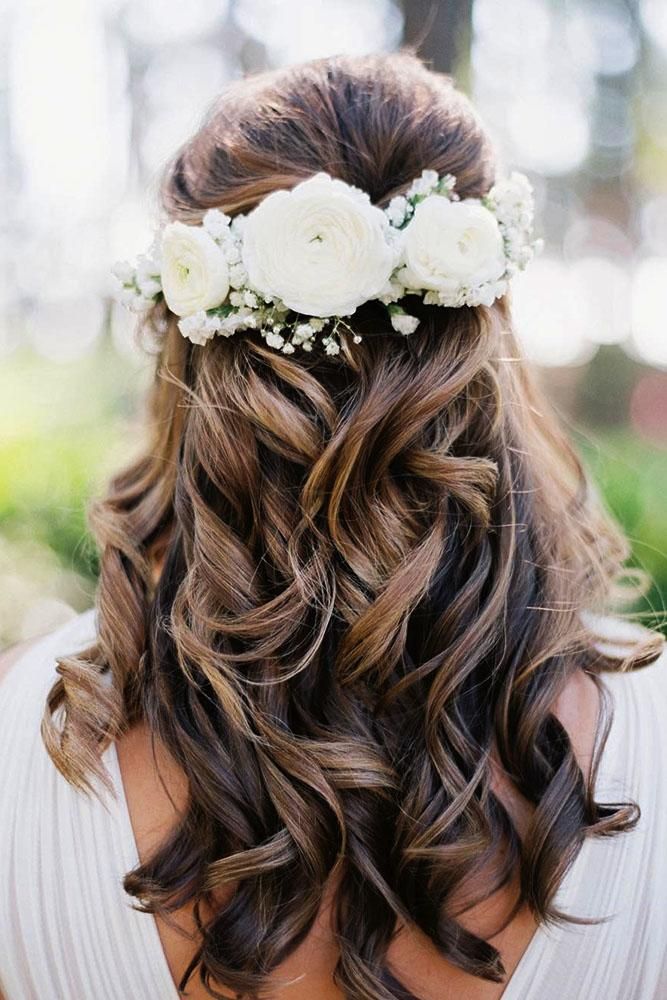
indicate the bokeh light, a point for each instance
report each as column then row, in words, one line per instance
column 61, row 131
column 292, row 31
column 550, row 133
column 604, row 37
column 65, row 329
column 654, row 17
column 653, row 221
column 600, row 288
column 95, row 97
column 548, row 317
column 156, row 23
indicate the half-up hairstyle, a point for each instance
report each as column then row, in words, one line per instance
column 374, row 576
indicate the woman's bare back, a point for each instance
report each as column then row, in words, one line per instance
column 156, row 790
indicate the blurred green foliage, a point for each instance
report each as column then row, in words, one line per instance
column 64, row 429
column 631, row 474
column 61, row 434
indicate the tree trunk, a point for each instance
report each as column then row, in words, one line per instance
column 440, row 32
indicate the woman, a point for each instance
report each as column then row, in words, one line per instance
column 348, row 673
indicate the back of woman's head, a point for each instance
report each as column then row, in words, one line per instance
column 374, row 569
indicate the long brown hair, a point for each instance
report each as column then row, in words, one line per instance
column 374, row 568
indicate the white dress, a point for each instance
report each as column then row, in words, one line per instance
column 68, row 932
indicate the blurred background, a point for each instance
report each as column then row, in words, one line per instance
column 96, row 94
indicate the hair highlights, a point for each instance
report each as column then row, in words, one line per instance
column 374, row 568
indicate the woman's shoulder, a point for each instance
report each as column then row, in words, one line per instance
column 32, row 664
column 646, row 682
column 636, row 761
column 620, row 639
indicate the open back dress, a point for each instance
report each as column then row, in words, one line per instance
column 68, row 930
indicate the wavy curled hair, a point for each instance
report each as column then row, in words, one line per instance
column 374, row 569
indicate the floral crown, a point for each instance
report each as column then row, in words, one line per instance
column 305, row 259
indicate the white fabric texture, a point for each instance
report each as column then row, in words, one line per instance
column 68, row 931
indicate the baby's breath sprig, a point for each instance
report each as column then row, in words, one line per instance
column 401, row 208
column 140, row 285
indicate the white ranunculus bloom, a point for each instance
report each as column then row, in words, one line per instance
column 195, row 273
column 322, row 248
column 451, row 244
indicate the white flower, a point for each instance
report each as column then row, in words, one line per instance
column 195, row 274
column 195, row 328
column 148, row 264
column 322, row 248
column 232, row 252
column 134, row 300
column 124, row 272
column 512, row 200
column 140, row 283
column 423, row 185
column 244, row 319
column 274, row 339
column 302, row 332
column 149, row 287
column 288, row 348
column 216, row 223
column 392, row 292
column 446, row 186
column 397, row 210
column 213, row 324
column 402, row 322
column 147, row 273
column 237, row 276
column 127, row 297
column 451, row 245
column 486, row 294
column 237, row 225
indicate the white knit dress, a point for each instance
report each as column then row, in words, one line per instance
column 68, row 932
